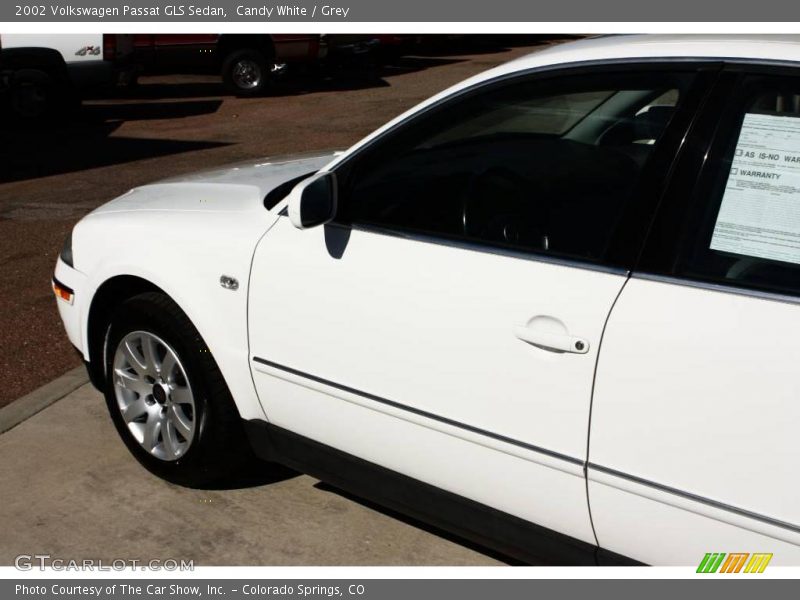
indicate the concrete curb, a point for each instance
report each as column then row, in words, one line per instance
column 24, row 408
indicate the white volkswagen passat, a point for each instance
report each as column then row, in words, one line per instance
column 553, row 309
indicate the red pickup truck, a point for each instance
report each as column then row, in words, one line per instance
column 246, row 62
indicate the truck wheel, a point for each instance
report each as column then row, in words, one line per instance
column 33, row 94
column 246, row 72
column 36, row 95
column 167, row 397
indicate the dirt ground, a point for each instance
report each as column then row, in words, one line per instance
column 50, row 176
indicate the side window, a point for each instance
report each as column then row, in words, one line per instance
column 539, row 165
column 746, row 227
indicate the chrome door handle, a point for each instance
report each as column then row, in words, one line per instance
column 559, row 342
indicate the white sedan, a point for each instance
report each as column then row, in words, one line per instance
column 553, row 309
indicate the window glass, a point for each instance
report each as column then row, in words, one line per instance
column 541, row 166
column 748, row 232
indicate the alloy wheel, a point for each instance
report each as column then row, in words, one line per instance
column 153, row 395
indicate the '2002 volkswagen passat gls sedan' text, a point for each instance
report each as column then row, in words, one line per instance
column 553, row 309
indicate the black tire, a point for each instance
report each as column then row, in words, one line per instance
column 37, row 95
column 219, row 450
column 252, row 59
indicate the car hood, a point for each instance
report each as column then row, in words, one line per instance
column 232, row 188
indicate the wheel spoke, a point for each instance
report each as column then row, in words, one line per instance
column 150, row 354
column 180, row 421
column 129, row 381
column 134, row 410
column 167, row 366
column 134, row 359
column 171, row 443
column 151, row 430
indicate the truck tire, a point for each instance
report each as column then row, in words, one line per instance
column 247, row 72
column 36, row 95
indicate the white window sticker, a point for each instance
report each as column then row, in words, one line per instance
column 760, row 211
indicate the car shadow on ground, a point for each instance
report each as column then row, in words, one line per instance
column 256, row 474
column 140, row 111
column 259, row 473
column 84, row 140
column 325, row 487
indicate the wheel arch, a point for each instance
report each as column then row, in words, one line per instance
column 44, row 59
column 116, row 287
column 108, row 296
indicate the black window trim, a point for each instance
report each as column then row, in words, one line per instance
column 698, row 65
column 660, row 267
column 484, row 248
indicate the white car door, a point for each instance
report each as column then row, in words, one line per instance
column 694, row 445
column 446, row 326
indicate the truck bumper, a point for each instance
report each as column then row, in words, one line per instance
column 99, row 74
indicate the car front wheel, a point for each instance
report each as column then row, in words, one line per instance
column 167, row 397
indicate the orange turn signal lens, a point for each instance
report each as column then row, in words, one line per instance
column 63, row 292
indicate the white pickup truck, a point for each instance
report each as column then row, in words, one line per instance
column 43, row 74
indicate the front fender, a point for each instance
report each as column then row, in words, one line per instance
column 187, row 267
